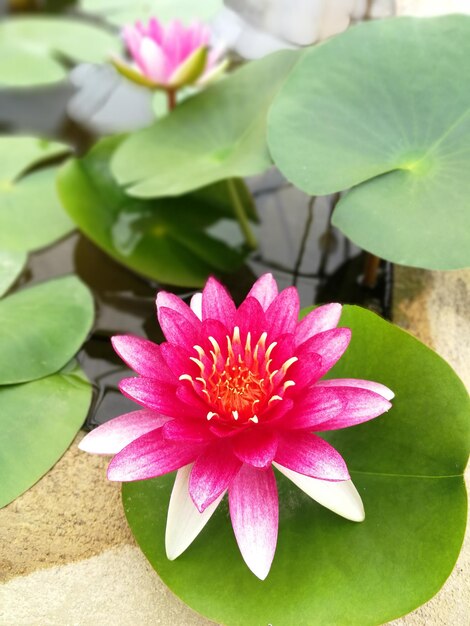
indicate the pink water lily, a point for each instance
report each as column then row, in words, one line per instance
column 230, row 394
column 172, row 56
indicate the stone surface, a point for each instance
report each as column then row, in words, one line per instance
column 435, row 307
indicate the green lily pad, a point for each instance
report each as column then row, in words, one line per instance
column 34, row 49
column 43, row 327
column 20, row 153
column 38, row 421
column 11, row 266
column 31, row 215
column 218, row 134
column 166, row 239
column 122, row 12
column 408, row 467
column 384, row 109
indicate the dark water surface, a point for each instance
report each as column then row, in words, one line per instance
column 296, row 243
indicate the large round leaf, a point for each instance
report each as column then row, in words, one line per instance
column 167, row 239
column 384, row 108
column 31, row 215
column 408, row 468
column 38, row 421
column 218, row 134
column 42, row 328
column 32, row 48
column 123, row 12
column 11, row 266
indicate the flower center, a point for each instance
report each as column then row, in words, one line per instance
column 239, row 382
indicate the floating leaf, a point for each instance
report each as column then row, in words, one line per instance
column 31, row 215
column 166, row 239
column 38, row 421
column 123, row 12
column 43, row 327
column 408, row 467
column 19, row 153
column 218, row 134
column 11, row 266
column 384, row 108
column 33, row 49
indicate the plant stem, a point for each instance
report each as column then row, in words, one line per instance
column 303, row 243
column 241, row 215
column 171, row 99
column 371, row 268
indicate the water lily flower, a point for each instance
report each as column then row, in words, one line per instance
column 172, row 56
column 230, row 394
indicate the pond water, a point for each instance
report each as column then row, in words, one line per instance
column 296, row 243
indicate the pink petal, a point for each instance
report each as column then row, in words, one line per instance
column 283, row 351
column 340, row 497
column 166, row 301
column 149, row 456
column 177, row 358
column 187, row 430
column 312, row 408
column 382, row 390
column 283, row 313
column 172, row 44
column 151, row 60
column 179, row 329
column 307, row 370
column 264, row 290
column 308, row 454
column 218, row 331
column 170, row 301
column 196, row 304
column 132, row 38
column 184, row 522
column 155, row 395
column 113, row 436
column 143, row 356
column 256, row 446
column 155, row 30
column 195, row 406
column 330, row 345
column 317, row 321
column 254, row 511
column 250, row 318
column 359, row 405
column 212, row 474
column 217, row 304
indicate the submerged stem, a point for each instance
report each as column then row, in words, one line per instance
column 371, row 268
column 241, row 215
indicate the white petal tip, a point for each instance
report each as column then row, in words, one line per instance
column 172, row 553
column 184, row 522
column 86, row 445
column 341, row 497
column 260, row 570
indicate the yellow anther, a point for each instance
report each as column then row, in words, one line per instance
column 186, row 377
column 198, row 362
column 215, row 345
column 288, row 363
column 270, row 349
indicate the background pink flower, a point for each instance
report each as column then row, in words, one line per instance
column 230, row 394
column 171, row 56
